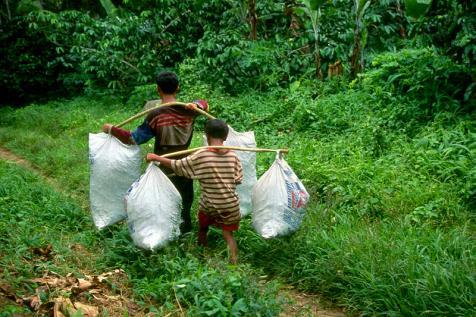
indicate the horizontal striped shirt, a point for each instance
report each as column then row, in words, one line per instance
column 218, row 172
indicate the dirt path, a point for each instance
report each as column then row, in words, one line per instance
column 304, row 305
column 300, row 304
column 7, row 155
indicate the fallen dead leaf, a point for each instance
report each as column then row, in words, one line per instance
column 116, row 297
column 82, row 285
column 66, row 306
column 7, row 291
column 57, row 309
column 50, row 281
column 87, row 310
column 35, row 302
column 90, row 294
column 45, row 251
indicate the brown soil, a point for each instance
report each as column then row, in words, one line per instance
column 7, row 155
column 307, row 305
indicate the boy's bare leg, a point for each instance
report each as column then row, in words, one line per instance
column 230, row 241
column 202, row 236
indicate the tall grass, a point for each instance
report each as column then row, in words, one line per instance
column 385, row 268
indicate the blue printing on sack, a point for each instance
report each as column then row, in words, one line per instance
column 295, row 209
column 91, row 159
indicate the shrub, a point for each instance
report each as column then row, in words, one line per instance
column 28, row 68
column 431, row 81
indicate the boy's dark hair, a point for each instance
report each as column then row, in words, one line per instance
column 216, row 128
column 167, row 81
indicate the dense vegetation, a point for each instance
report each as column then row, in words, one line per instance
column 387, row 150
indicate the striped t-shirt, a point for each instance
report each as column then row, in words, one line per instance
column 218, row 172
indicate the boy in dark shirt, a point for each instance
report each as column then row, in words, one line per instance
column 218, row 171
column 172, row 128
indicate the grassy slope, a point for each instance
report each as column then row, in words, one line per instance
column 389, row 229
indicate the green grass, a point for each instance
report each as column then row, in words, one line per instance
column 40, row 216
column 386, row 267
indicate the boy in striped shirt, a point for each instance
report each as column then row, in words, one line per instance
column 218, row 171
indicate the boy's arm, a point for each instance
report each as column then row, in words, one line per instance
column 123, row 135
column 182, row 167
column 140, row 135
column 200, row 104
column 162, row 160
column 238, row 172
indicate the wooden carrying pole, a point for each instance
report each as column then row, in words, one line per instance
column 175, row 103
column 237, row 148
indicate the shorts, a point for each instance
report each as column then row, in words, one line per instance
column 205, row 221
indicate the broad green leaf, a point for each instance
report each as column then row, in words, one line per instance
column 417, row 8
column 315, row 4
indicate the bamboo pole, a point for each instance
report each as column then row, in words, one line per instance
column 174, row 103
column 237, row 148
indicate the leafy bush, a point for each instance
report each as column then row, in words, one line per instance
column 450, row 156
column 243, row 64
column 205, row 291
column 433, row 82
column 120, row 51
column 335, row 113
column 28, row 69
column 449, row 25
column 109, row 52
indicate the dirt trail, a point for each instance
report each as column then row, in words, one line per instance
column 7, row 155
column 306, row 305
column 300, row 304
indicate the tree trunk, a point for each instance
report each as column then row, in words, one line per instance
column 9, row 15
column 403, row 33
column 109, row 7
column 317, row 61
column 355, row 59
column 289, row 6
column 317, row 49
column 253, row 19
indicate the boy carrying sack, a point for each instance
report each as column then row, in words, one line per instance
column 218, row 171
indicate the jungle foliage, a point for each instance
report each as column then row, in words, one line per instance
column 387, row 148
column 68, row 46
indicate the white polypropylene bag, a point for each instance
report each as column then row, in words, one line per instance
column 248, row 163
column 279, row 200
column 153, row 208
column 113, row 167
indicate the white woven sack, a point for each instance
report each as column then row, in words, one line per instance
column 153, row 208
column 113, row 167
column 279, row 200
column 248, row 163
